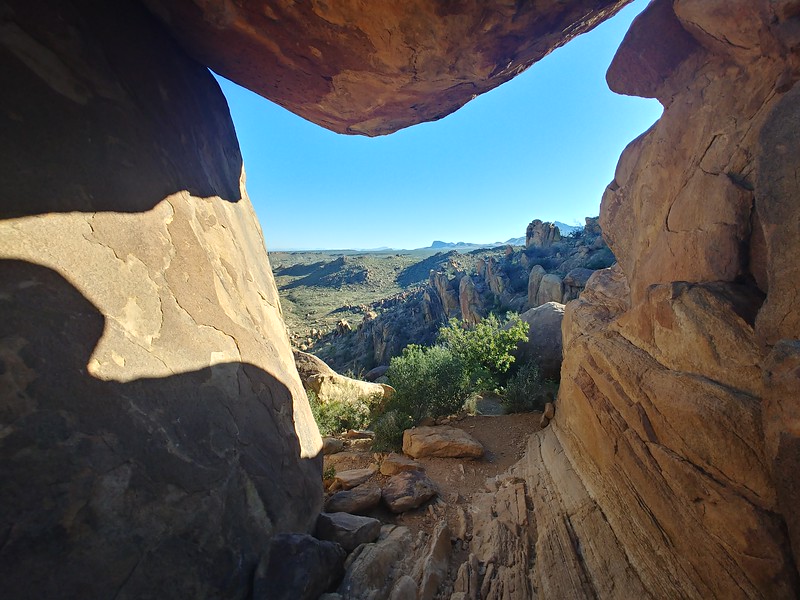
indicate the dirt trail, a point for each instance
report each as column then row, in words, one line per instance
column 504, row 439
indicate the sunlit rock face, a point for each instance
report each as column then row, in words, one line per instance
column 678, row 408
column 155, row 434
column 373, row 68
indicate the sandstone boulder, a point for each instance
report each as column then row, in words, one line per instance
column 431, row 570
column 349, row 531
column 329, row 386
column 351, row 478
column 359, row 500
column 395, row 463
column 551, row 289
column 298, row 567
column 534, row 281
column 441, row 442
column 543, row 345
column 370, row 571
column 408, row 490
column 574, row 282
column 155, row 433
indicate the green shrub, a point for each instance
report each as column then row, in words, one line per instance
column 485, row 348
column 428, row 382
column 389, row 428
column 336, row 416
column 525, row 391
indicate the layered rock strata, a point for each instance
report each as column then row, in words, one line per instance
column 670, row 469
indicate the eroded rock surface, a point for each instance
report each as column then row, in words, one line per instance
column 374, row 71
column 155, row 433
column 666, row 471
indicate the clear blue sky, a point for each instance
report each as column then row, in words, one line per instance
column 542, row 146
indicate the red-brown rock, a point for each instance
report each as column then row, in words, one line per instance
column 374, row 70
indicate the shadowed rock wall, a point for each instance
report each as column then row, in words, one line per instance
column 155, row 434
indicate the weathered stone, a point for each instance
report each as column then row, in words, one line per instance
column 351, row 478
column 408, row 490
column 470, row 301
column 442, row 442
column 371, row 570
column 331, row 446
column 543, row 345
column 395, row 463
column 541, row 235
column 574, row 282
column 549, row 410
column 432, row 568
column 329, row 386
column 534, row 280
column 155, row 433
column 404, row 589
column 298, row 567
column 376, row 373
column 551, row 289
column 347, row 530
column 359, row 500
column 374, row 71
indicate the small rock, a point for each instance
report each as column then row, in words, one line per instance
column 345, row 480
column 359, row 500
column 368, row 568
column 331, row 446
column 549, row 410
column 395, row 463
column 376, row 373
column 408, row 490
column 544, row 422
column 297, row 566
column 353, row 434
column 348, row 530
column 442, row 442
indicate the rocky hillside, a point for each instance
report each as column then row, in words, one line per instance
column 549, row 268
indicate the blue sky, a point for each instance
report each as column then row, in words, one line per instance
column 542, row 146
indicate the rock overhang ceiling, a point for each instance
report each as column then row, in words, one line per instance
column 372, row 68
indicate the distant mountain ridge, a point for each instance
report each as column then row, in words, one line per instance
column 563, row 228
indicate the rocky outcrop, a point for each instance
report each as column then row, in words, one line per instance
column 551, row 289
column 155, row 433
column 541, row 235
column 543, row 346
column 378, row 70
column 329, row 386
column 666, row 471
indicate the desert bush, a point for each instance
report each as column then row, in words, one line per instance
column 428, row 382
column 336, row 416
column 389, row 428
column 485, row 349
column 525, row 390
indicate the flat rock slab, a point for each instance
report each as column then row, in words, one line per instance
column 345, row 480
column 408, row 490
column 440, row 442
column 359, row 500
column 348, row 530
column 395, row 463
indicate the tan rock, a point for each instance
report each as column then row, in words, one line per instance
column 534, row 280
column 349, row 479
column 551, row 289
column 331, row 446
column 432, row 568
column 371, row 571
column 440, row 441
column 549, row 410
column 395, row 463
column 541, row 235
column 329, row 386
